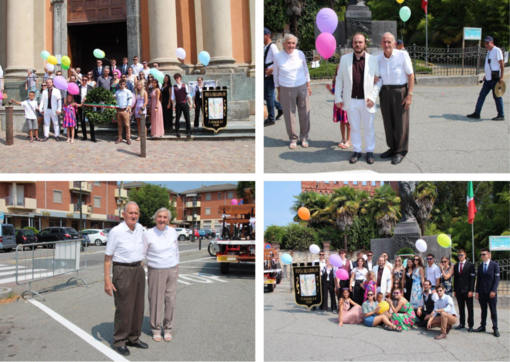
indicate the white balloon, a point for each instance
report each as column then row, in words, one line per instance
column 421, row 245
column 50, row 67
column 181, row 53
column 314, row 249
column 1, row 72
column 365, row 256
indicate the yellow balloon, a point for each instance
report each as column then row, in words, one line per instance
column 444, row 240
column 52, row 59
column 383, row 307
column 400, row 1
column 66, row 61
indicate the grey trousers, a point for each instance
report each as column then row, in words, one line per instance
column 162, row 290
column 292, row 99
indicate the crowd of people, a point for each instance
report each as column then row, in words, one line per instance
column 417, row 294
column 137, row 93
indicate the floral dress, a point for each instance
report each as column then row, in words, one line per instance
column 404, row 318
column 447, row 283
column 69, row 115
column 370, row 286
column 417, row 291
column 339, row 115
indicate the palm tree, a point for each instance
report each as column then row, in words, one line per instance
column 344, row 205
column 384, row 206
column 316, row 203
column 425, row 195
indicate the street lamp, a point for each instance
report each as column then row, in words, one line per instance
column 81, row 215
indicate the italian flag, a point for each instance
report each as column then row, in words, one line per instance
column 424, row 4
column 471, row 203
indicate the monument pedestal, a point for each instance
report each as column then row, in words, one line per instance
column 406, row 233
column 358, row 18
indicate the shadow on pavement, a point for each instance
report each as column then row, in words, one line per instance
column 237, row 271
column 104, row 332
column 328, row 155
column 128, row 152
column 457, row 117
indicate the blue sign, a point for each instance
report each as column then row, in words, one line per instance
column 472, row 33
column 2, row 215
column 499, row 243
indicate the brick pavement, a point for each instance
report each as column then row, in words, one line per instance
column 225, row 156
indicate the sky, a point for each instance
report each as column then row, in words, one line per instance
column 179, row 186
column 278, row 198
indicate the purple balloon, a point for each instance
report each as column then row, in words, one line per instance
column 60, row 83
column 326, row 45
column 327, row 21
column 335, row 260
column 73, row 89
column 342, row 274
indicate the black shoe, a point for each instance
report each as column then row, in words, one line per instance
column 84, row 139
column 397, row 159
column 122, row 350
column 279, row 115
column 178, row 134
column 460, row 326
column 94, row 140
column 370, row 158
column 470, row 329
column 498, row 118
column 354, row 158
column 387, row 154
column 138, row 344
column 45, row 139
column 496, row 333
column 268, row 122
column 57, row 139
column 473, row 115
column 480, row 329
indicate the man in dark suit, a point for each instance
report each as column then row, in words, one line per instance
column 464, row 286
column 486, row 290
column 98, row 70
column 85, row 87
column 124, row 67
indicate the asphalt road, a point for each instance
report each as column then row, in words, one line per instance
column 442, row 139
column 214, row 317
column 292, row 333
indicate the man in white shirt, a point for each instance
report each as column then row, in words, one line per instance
column 383, row 278
column 356, row 77
column 396, row 96
column 146, row 70
column 388, row 264
column 370, row 263
column 125, row 250
column 137, row 67
column 433, row 273
column 270, row 50
column 444, row 314
column 321, row 262
column 494, row 72
column 424, row 312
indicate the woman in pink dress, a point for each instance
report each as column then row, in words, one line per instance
column 157, row 125
column 346, row 315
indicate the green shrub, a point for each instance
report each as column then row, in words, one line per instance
column 405, row 250
column 31, row 228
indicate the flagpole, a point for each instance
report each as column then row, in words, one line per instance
column 473, row 240
column 426, row 34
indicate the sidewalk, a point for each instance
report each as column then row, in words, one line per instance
column 442, row 139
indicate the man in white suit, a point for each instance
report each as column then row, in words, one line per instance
column 383, row 277
column 356, row 78
column 50, row 107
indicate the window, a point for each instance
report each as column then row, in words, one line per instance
column 230, row 195
column 355, row 183
column 373, row 183
column 346, row 182
column 382, row 183
column 97, row 201
column 57, row 196
column 219, row 195
column 97, row 183
column 208, row 211
column 364, row 183
column 208, row 197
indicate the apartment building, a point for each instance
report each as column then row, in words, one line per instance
column 327, row 187
column 42, row 204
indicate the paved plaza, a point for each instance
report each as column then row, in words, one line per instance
column 442, row 138
column 292, row 333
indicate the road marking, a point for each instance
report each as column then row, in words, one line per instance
column 191, row 261
column 107, row 351
column 10, row 268
column 26, row 271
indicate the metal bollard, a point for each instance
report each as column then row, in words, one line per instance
column 9, row 125
column 143, row 137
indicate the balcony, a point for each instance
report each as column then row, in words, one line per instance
column 190, row 218
column 190, row 204
column 85, row 209
column 86, row 187
column 123, row 193
column 14, row 202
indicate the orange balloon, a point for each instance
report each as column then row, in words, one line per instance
column 303, row 213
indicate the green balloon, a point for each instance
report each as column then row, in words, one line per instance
column 405, row 13
column 444, row 240
column 98, row 53
column 65, row 67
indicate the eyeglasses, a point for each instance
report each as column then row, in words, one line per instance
column 430, row 258
column 485, row 254
column 369, row 254
column 460, row 254
column 44, row 85
column 444, row 261
column 396, row 293
column 370, row 294
column 321, row 254
column 416, row 259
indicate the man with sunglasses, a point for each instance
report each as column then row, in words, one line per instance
column 433, row 273
column 424, row 312
column 444, row 314
column 369, row 261
column 463, row 288
column 98, row 70
column 137, row 67
column 486, row 290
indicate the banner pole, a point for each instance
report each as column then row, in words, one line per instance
column 473, row 240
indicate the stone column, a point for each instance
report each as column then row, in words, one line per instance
column 20, row 39
column 253, row 39
column 59, row 30
column 199, row 34
column 217, row 28
column 134, row 30
column 163, row 34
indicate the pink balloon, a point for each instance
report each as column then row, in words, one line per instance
column 73, row 89
column 1, row 95
column 234, row 202
column 326, row 45
column 60, row 82
column 335, row 260
column 342, row 274
column 327, row 20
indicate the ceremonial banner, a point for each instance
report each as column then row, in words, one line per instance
column 215, row 109
column 307, row 286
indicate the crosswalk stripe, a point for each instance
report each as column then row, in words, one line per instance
column 11, row 268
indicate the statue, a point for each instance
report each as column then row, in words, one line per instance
column 408, row 205
column 357, row 2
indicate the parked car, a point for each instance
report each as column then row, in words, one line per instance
column 85, row 241
column 97, row 236
column 57, row 234
column 208, row 233
column 7, row 237
column 25, row 237
column 182, row 234
column 107, row 230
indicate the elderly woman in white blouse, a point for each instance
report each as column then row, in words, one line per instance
column 292, row 80
column 162, row 251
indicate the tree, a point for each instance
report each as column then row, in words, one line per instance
column 425, row 195
column 150, row 198
column 298, row 237
column 274, row 234
column 317, row 204
column 275, row 16
column 241, row 185
column 384, row 207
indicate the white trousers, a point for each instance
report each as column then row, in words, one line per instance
column 357, row 114
column 49, row 116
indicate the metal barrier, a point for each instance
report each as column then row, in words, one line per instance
column 504, row 275
column 52, row 259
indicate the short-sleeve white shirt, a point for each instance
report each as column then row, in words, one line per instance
column 433, row 273
column 273, row 50
column 495, row 55
column 161, row 248
column 30, row 107
column 395, row 69
column 137, row 68
column 360, row 274
column 124, row 244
